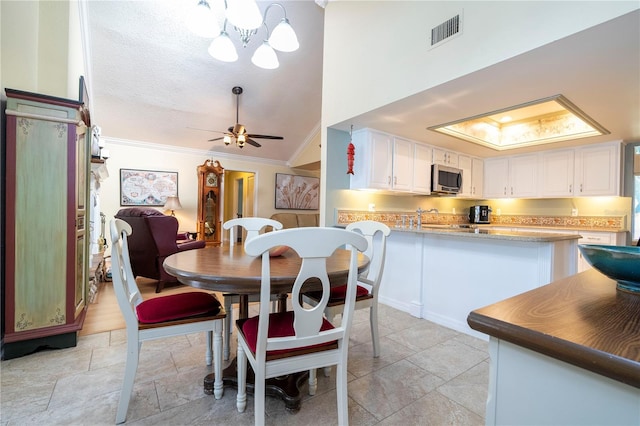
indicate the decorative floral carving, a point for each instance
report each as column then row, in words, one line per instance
column 23, row 322
column 58, row 318
column 24, row 124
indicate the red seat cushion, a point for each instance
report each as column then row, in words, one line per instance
column 340, row 293
column 177, row 306
column 280, row 325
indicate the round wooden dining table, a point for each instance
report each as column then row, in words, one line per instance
column 229, row 269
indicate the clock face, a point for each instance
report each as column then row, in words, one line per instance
column 212, row 179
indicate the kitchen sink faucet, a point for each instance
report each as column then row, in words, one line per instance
column 419, row 223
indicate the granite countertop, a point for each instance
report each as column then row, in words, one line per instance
column 582, row 320
column 487, row 233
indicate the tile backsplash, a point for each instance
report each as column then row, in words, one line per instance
column 391, row 218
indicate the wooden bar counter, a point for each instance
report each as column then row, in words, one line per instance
column 565, row 353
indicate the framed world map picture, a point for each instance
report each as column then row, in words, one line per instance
column 147, row 187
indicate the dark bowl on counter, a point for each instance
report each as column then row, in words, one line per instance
column 620, row 263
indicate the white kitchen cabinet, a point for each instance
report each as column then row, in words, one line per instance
column 422, row 169
column 472, row 176
column 477, row 177
column 557, row 173
column 597, row 170
column 581, row 172
column 464, row 163
column 447, row 158
column 390, row 163
column 372, row 163
column 510, row 177
column 402, row 169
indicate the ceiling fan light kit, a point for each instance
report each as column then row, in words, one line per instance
column 238, row 131
column 246, row 19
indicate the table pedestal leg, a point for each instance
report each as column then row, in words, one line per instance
column 286, row 387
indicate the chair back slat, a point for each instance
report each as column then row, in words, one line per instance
column 124, row 283
column 376, row 234
column 253, row 226
column 314, row 245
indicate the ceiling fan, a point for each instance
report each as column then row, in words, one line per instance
column 239, row 132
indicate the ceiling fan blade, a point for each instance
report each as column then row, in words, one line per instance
column 265, row 136
column 205, row 130
column 216, row 139
column 252, row 142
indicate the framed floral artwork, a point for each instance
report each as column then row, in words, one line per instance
column 297, row 192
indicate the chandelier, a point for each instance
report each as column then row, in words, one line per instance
column 246, row 19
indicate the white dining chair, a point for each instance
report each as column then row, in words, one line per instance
column 368, row 281
column 283, row 343
column 253, row 226
column 160, row 317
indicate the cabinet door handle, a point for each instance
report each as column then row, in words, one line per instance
column 580, row 187
column 395, row 180
column 388, row 180
column 512, row 190
column 505, row 190
column 570, row 188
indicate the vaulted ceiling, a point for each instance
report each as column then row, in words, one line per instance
column 153, row 81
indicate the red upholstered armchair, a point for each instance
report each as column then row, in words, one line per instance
column 154, row 237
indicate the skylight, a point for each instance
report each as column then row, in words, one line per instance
column 547, row 120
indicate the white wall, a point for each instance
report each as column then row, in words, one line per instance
column 148, row 156
column 375, row 53
column 41, row 47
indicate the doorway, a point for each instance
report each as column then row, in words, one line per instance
column 239, row 198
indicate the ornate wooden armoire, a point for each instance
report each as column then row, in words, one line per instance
column 45, row 231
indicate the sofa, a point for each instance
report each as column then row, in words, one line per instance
column 154, row 236
column 297, row 220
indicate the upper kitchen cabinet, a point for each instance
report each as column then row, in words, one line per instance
column 402, row 165
column 511, row 177
column 557, row 173
column 422, row 169
column 597, row 170
column 385, row 162
column 581, row 172
column 447, row 158
column 372, row 161
column 472, row 176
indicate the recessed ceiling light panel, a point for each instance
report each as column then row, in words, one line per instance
column 547, row 120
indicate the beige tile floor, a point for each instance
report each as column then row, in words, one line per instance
column 426, row 375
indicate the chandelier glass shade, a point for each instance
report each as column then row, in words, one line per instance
column 245, row 18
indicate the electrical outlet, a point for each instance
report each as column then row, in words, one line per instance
column 574, row 212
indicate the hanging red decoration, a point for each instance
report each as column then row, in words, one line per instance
column 351, row 151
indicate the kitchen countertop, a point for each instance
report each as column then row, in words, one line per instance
column 487, row 233
column 582, row 320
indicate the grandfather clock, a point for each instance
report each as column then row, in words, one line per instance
column 210, row 175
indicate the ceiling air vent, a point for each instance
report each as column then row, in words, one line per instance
column 449, row 29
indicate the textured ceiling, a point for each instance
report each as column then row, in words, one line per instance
column 153, row 81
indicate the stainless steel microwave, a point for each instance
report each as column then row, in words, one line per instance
column 445, row 179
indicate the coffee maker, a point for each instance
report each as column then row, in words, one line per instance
column 479, row 214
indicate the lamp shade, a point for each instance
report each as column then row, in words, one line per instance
column 244, row 14
column 283, row 38
column 222, row 48
column 265, row 57
column 202, row 21
column 172, row 203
